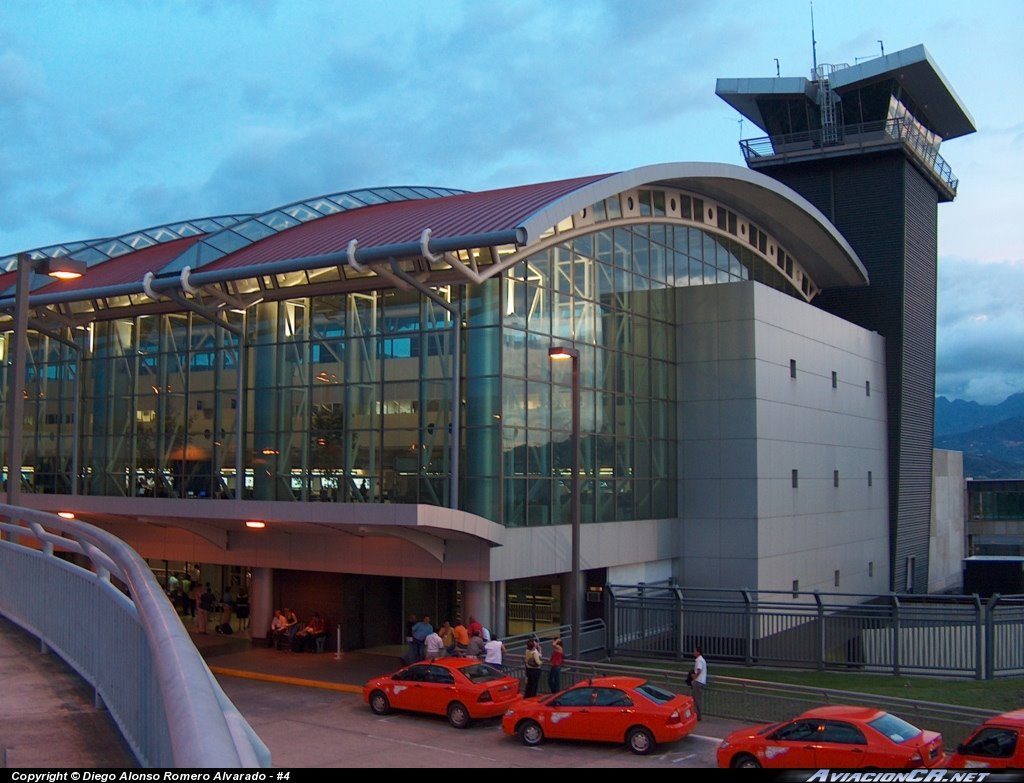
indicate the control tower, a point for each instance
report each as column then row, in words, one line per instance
column 861, row 143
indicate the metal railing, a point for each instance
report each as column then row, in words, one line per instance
column 593, row 639
column 859, row 138
column 755, row 701
column 956, row 636
column 110, row 621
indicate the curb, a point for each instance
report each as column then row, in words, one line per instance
column 321, row 684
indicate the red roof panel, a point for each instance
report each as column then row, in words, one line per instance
column 404, row 221
column 129, row 268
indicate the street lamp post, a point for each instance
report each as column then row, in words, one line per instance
column 560, row 353
column 63, row 268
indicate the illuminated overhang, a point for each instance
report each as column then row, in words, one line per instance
column 799, row 225
column 429, row 528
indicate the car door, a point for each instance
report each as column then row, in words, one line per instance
column 612, row 713
column 992, row 746
column 568, row 714
column 794, row 745
column 841, row 744
column 406, row 688
column 437, row 690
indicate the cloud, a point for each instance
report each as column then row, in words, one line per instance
column 21, row 81
column 980, row 330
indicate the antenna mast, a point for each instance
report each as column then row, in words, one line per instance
column 814, row 43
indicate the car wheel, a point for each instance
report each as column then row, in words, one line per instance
column 458, row 715
column 745, row 761
column 640, row 740
column 530, row 733
column 379, row 703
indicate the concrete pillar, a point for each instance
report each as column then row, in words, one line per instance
column 499, row 610
column 565, row 600
column 481, row 470
column 261, row 602
column 477, row 600
column 265, row 399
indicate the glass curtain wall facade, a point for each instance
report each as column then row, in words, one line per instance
column 347, row 396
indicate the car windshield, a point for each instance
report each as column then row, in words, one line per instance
column 481, row 672
column 654, row 693
column 896, row 729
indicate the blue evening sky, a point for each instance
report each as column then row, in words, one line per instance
column 117, row 115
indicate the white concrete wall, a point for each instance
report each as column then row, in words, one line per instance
column 536, row 551
column 658, row 571
column 947, row 540
column 747, row 424
column 717, row 445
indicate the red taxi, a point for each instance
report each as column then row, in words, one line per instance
column 464, row 689
column 604, row 709
column 836, row 736
column 996, row 744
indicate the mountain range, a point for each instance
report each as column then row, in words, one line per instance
column 990, row 436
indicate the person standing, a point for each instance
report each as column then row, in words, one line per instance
column 555, row 672
column 447, row 635
column 533, row 662
column 189, row 607
column 420, row 632
column 228, row 604
column 242, row 609
column 195, row 592
column 433, row 646
column 700, row 678
column 206, row 603
column 494, row 652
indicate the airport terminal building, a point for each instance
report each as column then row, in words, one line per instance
column 365, row 375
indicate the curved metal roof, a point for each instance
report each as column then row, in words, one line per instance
column 518, row 215
column 99, row 251
column 466, row 214
column 798, row 224
column 258, row 227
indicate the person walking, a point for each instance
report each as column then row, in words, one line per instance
column 700, row 678
column 533, row 661
column 555, row 670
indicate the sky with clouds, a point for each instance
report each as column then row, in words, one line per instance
column 118, row 115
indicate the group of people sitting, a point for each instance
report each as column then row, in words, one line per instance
column 472, row 640
column 475, row 641
column 286, row 632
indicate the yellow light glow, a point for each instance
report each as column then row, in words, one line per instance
column 65, row 515
column 255, row 524
column 62, row 274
